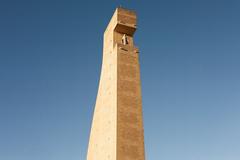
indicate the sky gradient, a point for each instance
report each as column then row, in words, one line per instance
column 50, row 62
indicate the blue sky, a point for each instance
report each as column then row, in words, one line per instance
column 50, row 59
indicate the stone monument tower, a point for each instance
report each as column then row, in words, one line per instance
column 117, row 126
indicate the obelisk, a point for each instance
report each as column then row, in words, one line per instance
column 117, row 126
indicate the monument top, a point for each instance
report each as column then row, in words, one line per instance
column 123, row 21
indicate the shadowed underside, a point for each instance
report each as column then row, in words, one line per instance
column 117, row 126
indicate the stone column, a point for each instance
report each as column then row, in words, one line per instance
column 117, row 126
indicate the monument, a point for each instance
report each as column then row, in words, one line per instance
column 117, row 126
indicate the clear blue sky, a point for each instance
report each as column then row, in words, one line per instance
column 50, row 59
